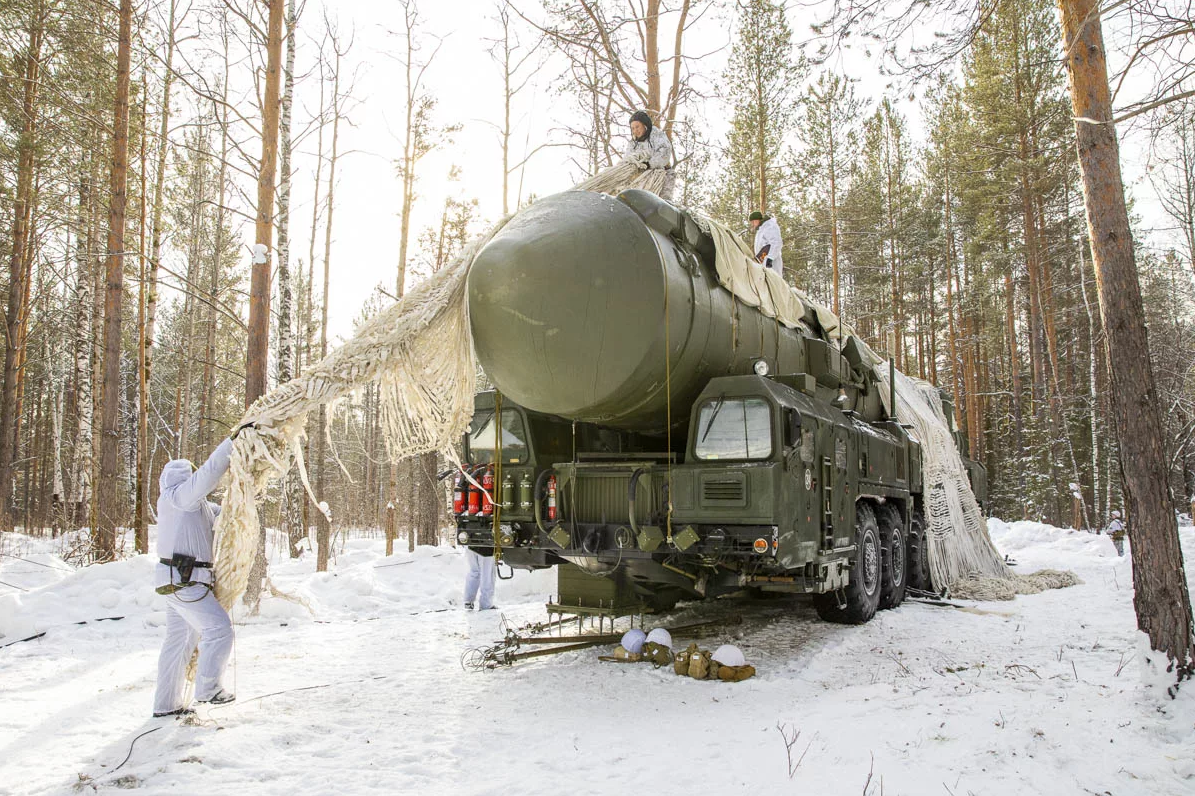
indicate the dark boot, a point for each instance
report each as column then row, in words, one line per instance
column 221, row 697
column 178, row 712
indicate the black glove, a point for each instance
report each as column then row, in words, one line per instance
column 241, row 428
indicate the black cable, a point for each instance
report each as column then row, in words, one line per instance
column 294, row 690
column 130, row 754
column 37, row 563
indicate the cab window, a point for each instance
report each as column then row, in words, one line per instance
column 734, row 428
column 483, row 438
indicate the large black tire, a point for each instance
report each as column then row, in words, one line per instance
column 862, row 592
column 894, row 546
column 918, row 546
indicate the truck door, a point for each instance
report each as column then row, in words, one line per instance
column 841, row 504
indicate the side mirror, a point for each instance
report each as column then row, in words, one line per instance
column 792, row 427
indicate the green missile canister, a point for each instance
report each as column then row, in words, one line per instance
column 597, row 308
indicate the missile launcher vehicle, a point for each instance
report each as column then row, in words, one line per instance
column 661, row 438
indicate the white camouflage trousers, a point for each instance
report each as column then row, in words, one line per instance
column 193, row 618
column 479, row 580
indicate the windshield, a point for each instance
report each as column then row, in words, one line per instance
column 483, row 439
column 734, row 428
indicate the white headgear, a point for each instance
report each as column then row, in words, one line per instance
column 632, row 640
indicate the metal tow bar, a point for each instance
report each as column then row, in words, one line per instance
column 508, row 651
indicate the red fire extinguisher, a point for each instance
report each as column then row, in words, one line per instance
column 458, row 494
column 487, row 484
column 473, row 501
column 551, row 498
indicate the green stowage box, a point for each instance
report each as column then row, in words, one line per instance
column 592, row 593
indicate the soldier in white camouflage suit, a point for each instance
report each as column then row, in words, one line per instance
column 650, row 148
column 1116, row 530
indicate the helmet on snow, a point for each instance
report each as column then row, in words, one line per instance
column 729, row 655
column 633, row 640
column 661, row 636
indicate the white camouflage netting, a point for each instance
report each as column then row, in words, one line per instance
column 421, row 354
column 419, row 351
column 962, row 558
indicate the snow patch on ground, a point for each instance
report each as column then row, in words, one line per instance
column 1045, row 694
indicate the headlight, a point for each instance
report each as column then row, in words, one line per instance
column 506, row 538
column 463, row 537
column 761, row 367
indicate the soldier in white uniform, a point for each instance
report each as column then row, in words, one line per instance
column 184, row 574
column 1116, row 530
column 650, row 148
column 767, row 242
column 479, row 578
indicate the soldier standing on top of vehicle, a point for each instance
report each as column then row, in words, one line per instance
column 767, row 242
column 650, row 148
column 194, row 617
column 1116, row 530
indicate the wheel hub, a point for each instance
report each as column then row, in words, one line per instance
column 871, row 563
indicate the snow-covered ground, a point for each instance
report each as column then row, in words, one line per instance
column 359, row 689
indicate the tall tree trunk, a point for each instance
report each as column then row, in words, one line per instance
column 1161, row 598
column 651, row 49
column 19, row 263
column 504, row 17
column 834, row 212
column 1092, row 388
column 951, row 328
column 761, row 139
column 257, row 350
column 146, row 338
column 890, row 218
column 58, row 488
column 307, row 299
column 292, row 488
column 111, row 495
column 933, row 322
column 83, row 344
column 220, row 111
column 140, row 522
column 190, row 305
column 408, row 197
column 211, row 318
column 323, row 527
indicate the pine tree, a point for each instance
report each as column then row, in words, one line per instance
column 761, row 81
column 827, row 130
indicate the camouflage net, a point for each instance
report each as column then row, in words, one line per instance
column 979, row 587
column 962, row 558
column 623, row 176
column 419, row 351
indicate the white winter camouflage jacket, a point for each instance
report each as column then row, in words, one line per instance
column 185, row 517
column 656, row 151
column 768, row 234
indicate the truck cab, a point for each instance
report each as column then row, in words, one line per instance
column 760, row 491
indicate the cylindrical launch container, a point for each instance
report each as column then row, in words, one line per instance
column 583, row 302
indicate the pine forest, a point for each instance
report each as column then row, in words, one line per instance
column 938, row 210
